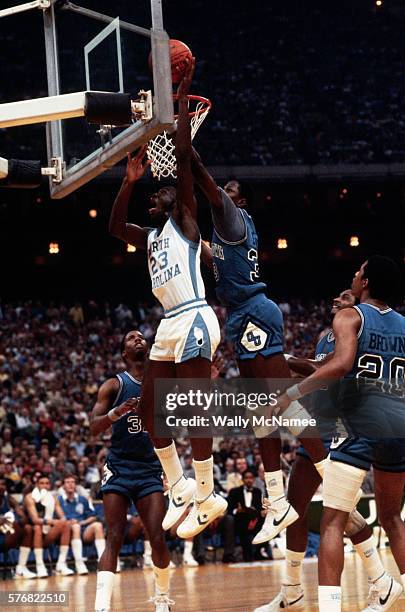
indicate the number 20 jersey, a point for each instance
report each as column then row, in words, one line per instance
column 380, row 357
column 236, row 266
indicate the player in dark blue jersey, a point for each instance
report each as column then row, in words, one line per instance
column 302, row 485
column 254, row 325
column 132, row 473
column 370, row 350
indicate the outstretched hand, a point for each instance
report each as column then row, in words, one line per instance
column 136, row 167
column 184, row 85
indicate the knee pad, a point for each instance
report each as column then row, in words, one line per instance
column 355, row 523
column 341, row 484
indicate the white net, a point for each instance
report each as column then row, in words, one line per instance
column 161, row 148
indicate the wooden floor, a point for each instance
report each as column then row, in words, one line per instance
column 213, row 588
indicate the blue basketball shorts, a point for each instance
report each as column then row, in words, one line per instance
column 132, row 479
column 386, row 454
column 256, row 328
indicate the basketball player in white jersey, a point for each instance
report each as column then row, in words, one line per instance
column 189, row 334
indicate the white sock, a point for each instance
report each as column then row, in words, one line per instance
column 320, row 466
column 403, row 580
column 188, row 547
column 370, row 558
column 105, row 583
column 170, row 461
column 39, row 556
column 204, row 475
column 147, row 549
column 63, row 551
column 77, row 549
column 330, row 598
column 293, row 567
column 162, row 580
column 274, row 484
column 99, row 543
column 23, row 556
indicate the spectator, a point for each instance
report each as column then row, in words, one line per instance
column 85, row 526
column 234, row 479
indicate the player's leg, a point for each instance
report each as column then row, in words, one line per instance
column 207, row 505
column 380, row 581
column 115, row 511
column 340, row 490
column 77, row 549
column 152, row 509
column 26, row 536
column 95, row 533
column 61, row 531
column 38, row 546
column 389, row 491
column 303, row 483
column 182, row 490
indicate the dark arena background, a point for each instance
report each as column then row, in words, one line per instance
column 309, row 113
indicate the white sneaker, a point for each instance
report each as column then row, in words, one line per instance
column 81, row 568
column 281, row 602
column 181, row 495
column 23, row 572
column 162, row 603
column 63, row 570
column 147, row 562
column 172, row 565
column 279, row 515
column 382, row 600
column 190, row 562
column 202, row 514
column 42, row 572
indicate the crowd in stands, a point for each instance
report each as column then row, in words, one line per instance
column 54, row 357
column 289, row 85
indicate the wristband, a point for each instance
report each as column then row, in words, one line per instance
column 294, row 393
column 112, row 415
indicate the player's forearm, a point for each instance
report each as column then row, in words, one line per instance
column 333, row 370
column 204, row 180
column 99, row 424
column 183, row 136
column 119, row 213
column 206, row 255
column 305, row 367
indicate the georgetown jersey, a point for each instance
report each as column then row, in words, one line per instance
column 325, row 346
column 236, row 267
column 128, row 440
column 174, row 267
column 379, row 367
column 381, row 344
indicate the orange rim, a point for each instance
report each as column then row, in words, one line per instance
column 207, row 104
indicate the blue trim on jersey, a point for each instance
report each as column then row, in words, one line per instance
column 191, row 243
column 191, row 348
column 192, row 265
column 184, row 304
column 187, row 309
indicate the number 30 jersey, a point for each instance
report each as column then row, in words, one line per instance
column 236, row 266
column 174, row 268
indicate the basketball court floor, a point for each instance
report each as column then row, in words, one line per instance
column 214, row 587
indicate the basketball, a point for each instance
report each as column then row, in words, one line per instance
column 179, row 53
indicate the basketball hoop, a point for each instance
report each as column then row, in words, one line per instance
column 161, row 148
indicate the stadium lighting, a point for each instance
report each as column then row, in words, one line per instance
column 282, row 243
column 378, row 2
column 131, row 248
column 53, row 248
column 354, row 241
column 93, row 213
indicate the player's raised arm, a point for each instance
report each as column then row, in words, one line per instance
column 186, row 202
column 103, row 415
column 205, row 181
column 128, row 232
